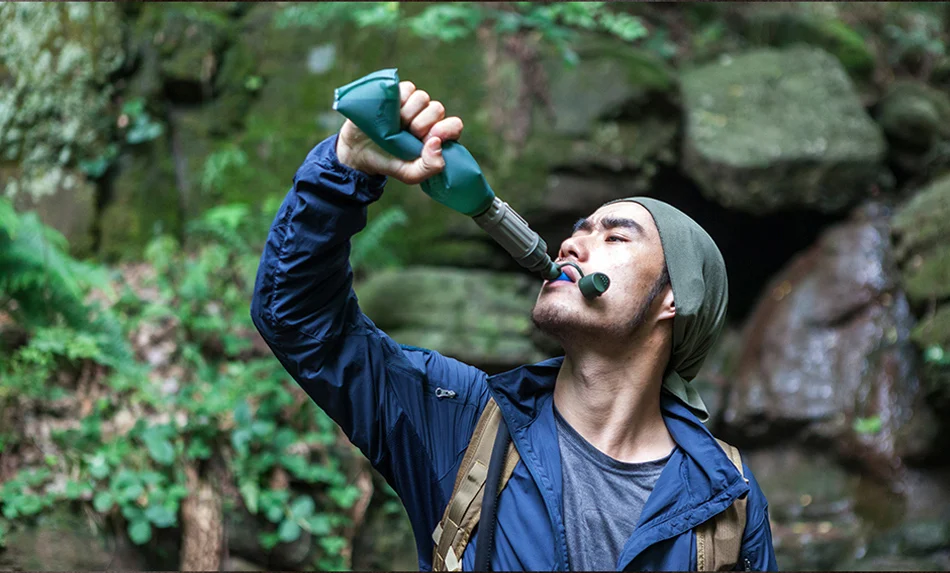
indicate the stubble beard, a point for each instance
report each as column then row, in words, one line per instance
column 569, row 327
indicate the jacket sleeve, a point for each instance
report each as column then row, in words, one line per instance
column 381, row 394
column 757, row 553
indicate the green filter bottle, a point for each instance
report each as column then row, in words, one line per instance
column 372, row 103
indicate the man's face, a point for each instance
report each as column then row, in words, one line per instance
column 620, row 240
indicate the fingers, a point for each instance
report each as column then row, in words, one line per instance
column 405, row 90
column 449, row 129
column 429, row 163
column 414, row 104
column 422, row 123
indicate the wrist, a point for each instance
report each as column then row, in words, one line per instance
column 346, row 157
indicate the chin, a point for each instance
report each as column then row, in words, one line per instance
column 558, row 321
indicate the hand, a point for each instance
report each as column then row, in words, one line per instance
column 425, row 118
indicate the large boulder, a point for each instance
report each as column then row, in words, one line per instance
column 56, row 62
column 777, row 129
column 479, row 317
column 608, row 78
column 827, row 353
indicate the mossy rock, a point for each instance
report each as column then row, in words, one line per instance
column 70, row 208
column 608, row 77
column 916, row 119
column 56, row 113
column 921, row 230
column 775, row 129
column 479, row 317
column 144, row 201
column 188, row 38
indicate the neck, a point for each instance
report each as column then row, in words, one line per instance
column 611, row 397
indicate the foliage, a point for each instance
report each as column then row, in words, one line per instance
column 916, row 32
column 556, row 22
column 219, row 164
column 369, row 251
column 140, row 125
column 40, row 284
column 224, row 404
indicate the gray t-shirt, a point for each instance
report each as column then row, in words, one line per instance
column 603, row 499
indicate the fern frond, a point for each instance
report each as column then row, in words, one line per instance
column 369, row 243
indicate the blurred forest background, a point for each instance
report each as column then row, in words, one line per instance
column 144, row 149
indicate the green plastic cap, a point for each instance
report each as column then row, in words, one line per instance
column 593, row 285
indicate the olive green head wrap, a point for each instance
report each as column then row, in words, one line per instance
column 700, row 292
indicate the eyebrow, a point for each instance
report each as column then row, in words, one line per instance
column 584, row 224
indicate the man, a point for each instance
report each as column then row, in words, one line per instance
column 616, row 466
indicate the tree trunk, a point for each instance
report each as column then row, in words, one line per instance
column 202, row 524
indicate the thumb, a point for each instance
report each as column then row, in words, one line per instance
column 428, row 164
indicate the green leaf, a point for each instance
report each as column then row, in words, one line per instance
column 103, row 501
column 332, row 544
column 262, row 428
column 319, row 525
column 160, row 449
column 302, row 508
column 344, row 497
column 240, row 439
column 149, row 477
column 242, row 413
column 140, row 531
column 275, row 513
column 268, row 540
column 10, row 511
column 284, row 438
column 288, row 531
column 871, row 425
column 198, row 449
column 73, row 490
column 250, row 493
column 161, row 516
column 30, row 505
column 130, row 492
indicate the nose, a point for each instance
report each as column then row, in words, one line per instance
column 573, row 248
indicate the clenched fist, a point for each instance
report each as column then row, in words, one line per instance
column 424, row 118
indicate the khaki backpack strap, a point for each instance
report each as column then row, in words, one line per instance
column 465, row 506
column 719, row 540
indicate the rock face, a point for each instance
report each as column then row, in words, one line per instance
column 69, row 207
column 775, row 129
column 827, row 351
column 57, row 59
column 922, row 243
column 825, row 518
column 479, row 317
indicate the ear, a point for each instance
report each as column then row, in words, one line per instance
column 667, row 306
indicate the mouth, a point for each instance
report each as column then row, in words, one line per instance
column 569, row 274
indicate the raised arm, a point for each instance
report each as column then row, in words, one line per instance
column 382, row 395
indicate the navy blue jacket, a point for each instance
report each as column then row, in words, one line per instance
column 386, row 399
